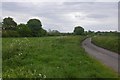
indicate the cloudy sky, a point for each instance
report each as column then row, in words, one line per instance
column 64, row 16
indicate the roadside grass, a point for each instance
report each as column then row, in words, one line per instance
column 107, row 42
column 50, row 57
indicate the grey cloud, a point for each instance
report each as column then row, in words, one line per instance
column 56, row 15
column 97, row 16
column 11, row 6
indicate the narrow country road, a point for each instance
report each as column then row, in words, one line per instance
column 108, row 58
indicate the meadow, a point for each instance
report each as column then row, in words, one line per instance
column 50, row 57
column 107, row 42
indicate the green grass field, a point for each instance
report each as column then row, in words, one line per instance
column 107, row 42
column 50, row 57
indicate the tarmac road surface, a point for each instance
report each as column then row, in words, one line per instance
column 107, row 57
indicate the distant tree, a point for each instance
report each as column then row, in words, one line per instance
column 54, row 33
column 24, row 30
column 91, row 32
column 9, row 24
column 35, row 26
column 99, row 33
column 49, row 31
column 79, row 30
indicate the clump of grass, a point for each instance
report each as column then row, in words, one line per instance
column 50, row 57
column 107, row 42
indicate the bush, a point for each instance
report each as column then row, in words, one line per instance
column 10, row 33
column 42, row 32
column 24, row 30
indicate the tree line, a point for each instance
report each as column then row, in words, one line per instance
column 33, row 28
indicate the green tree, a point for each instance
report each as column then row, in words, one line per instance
column 42, row 32
column 35, row 26
column 9, row 24
column 24, row 30
column 79, row 30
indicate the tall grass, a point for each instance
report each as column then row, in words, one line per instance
column 107, row 42
column 50, row 57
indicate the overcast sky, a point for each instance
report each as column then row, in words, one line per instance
column 64, row 16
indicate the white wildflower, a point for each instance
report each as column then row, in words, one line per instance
column 44, row 76
column 34, row 70
column 26, row 39
column 58, row 67
column 11, row 45
column 40, row 74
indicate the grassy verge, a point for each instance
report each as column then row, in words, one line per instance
column 107, row 42
column 50, row 57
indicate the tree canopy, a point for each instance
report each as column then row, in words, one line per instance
column 36, row 27
column 9, row 24
column 34, row 24
column 24, row 30
column 79, row 30
column 33, row 28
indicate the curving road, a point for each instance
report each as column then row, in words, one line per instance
column 107, row 57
